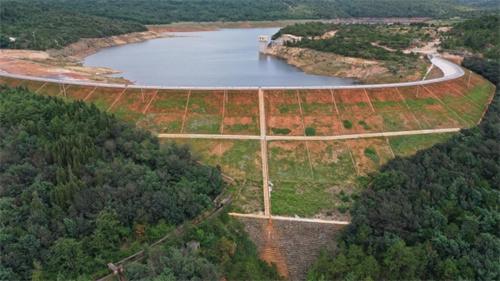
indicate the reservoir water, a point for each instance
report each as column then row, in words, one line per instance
column 226, row 57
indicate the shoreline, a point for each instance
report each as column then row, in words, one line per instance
column 88, row 46
column 68, row 61
column 334, row 65
column 450, row 70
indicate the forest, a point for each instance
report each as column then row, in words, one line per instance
column 79, row 188
column 432, row 216
column 37, row 27
column 44, row 24
column 219, row 248
column 480, row 35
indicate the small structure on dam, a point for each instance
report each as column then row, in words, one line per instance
column 263, row 42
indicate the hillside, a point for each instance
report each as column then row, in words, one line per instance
column 376, row 52
column 80, row 188
column 217, row 249
column 432, row 216
column 480, row 35
column 42, row 24
column 40, row 27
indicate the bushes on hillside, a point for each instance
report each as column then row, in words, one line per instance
column 80, row 188
column 430, row 216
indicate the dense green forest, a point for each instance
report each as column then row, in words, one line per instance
column 432, row 216
column 35, row 26
column 42, row 24
column 218, row 248
column 79, row 188
column 490, row 4
column 480, row 35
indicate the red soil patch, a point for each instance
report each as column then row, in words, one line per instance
column 242, row 103
column 281, row 103
column 105, row 96
column 352, row 100
column 135, row 100
column 242, row 120
column 219, row 148
column 248, row 125
column 360, row 151
column 321, row 154
column 50, row 89
column 316, row 96
column 474, row 79
column 326, row 152
column 386, row 99
column 78, row 92
column 317, row 148
column 241, row 112
column 325, row 125
column 4, row 80
column 317, row 102
column 31, row 85
column 444, row 91
column 169, row 101
column 457, row 84
column 299, row 242
column 206, row 102
column 271, row 252
column 291, row 122
column 469, row 80
column 415, row 92
column 161, row 123
column 287, row 145
column 362, row 122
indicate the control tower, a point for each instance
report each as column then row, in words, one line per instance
column 263, row 42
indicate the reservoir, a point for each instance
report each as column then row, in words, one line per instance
column 226, row 57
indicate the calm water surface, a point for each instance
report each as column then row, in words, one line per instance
column 227, row 57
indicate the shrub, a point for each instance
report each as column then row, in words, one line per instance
column 310, row 131
column 281, row 131
column 372, row 154
column 364, row 125
column 347, row 124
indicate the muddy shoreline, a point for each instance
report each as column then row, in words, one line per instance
column 330, row 64
column 88, row 46
column 66, row 63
